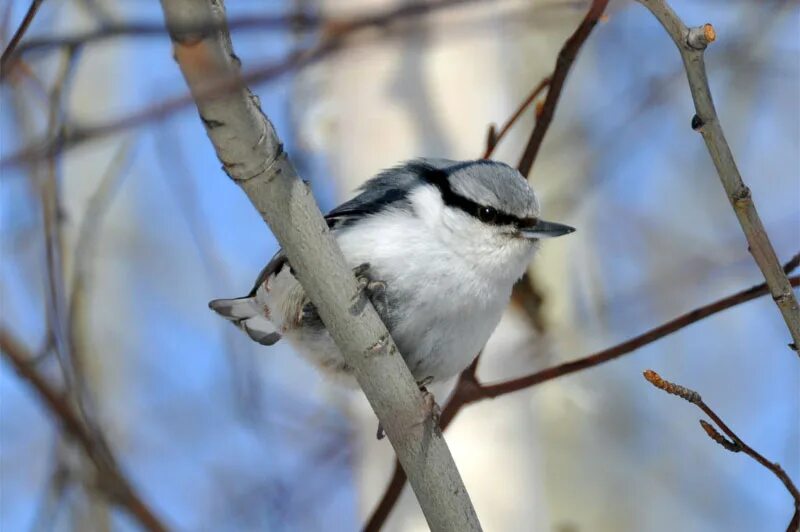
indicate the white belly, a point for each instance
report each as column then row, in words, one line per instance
column 442, row 310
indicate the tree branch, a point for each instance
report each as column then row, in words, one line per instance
column 469, row 390
column 735, row 444
column 566, row 57
column 296, row 21
column 335, row 35
column 23, row 27
column 252, row 155
column 691, row 44
column 111, row 479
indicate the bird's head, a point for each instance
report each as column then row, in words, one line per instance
column 483, row 210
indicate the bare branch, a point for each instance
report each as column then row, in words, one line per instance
column 297, row 21
column 335, row 37
column 735, row 444
column 468, row 390
column 502, row 388
column 251, row 153
column 566, row 57
column 112, row 481
column 691, row 44
column 23, row 27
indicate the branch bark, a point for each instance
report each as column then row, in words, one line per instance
column 252, row 155
column 691, row 44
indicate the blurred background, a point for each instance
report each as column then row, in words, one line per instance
column 118, row 244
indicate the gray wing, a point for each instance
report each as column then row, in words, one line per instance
column 390, row 188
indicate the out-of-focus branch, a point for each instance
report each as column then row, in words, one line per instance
column 334, row 37
column 294, row 21
column 691, row 44
column 252, row 155
column 297, row 21
column 85, row 246
column 14, row 42
column 50, row 196
column 469, row 390
column 734, row 443
column 566, row 57
column 111, row 480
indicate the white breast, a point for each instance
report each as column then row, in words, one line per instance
column 445, row 297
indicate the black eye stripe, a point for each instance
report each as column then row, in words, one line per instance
column 439, row 178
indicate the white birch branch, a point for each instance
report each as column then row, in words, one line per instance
column 252, row 155
column 691, row 44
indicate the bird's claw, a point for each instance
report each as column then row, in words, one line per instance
column 375, row 290
column 433, row 408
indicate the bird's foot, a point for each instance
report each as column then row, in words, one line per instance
column 375, row 290
column 433, row 408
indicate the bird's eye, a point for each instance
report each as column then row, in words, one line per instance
column 487, row 214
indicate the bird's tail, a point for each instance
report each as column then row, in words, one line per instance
column 249, row 315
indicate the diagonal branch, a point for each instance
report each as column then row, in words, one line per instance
column 14, row 42
column 734, row 444
column 252, row 155
column 566, row 57
column 691, row 44
column 111, row 479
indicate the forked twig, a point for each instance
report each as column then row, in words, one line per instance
column 733, row 442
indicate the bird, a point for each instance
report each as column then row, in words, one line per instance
column 436, row 244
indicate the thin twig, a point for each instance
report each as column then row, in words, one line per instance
column 734, row 443
column 566, row 57
column 23, row 27
column 50, row 197
column 494, row 137
column 335, row 36
column 112, row 481
column 297, row 21
column 691, row 44
column 469, row 390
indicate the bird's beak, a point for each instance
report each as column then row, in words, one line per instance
column 543, row 229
